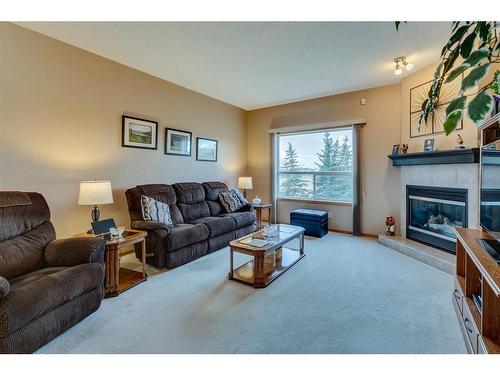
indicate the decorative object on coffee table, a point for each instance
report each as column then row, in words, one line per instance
column 245, row 183
column 94, row 193
column 315, row 222
column 206, row 149
column 429, row 145
column 271, row 256
column 116, row 279
column 390, row 226
column 139, row 133
column 177, row 142
column 258, row 213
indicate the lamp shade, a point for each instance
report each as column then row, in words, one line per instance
column 244, row 182
column 93, row 193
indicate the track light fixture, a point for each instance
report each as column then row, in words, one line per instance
column 400, row 63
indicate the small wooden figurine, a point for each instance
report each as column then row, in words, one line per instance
column 460, row 142
column 390, row 226
column 404, row 148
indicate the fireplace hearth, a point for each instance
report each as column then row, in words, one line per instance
column 433, row 212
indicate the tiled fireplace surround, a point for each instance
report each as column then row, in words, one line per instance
column 464, row 176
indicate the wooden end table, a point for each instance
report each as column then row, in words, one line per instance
column 116, row 279
column 269, row 261
column 258, row 213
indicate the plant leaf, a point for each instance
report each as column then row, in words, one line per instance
column 467, row 44
column 475, row 76
column 484, row 31
column 451, row 121
column 458, row 35
column 457, row 72
column 456, row 104
column 476, row 56
column 480, row 107
column 448, row 64
column 438, row 70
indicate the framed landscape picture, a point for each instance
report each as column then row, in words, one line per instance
column 206, row 149
column 177, row 142
column 139, row 133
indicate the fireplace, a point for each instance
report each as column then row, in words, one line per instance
column 433, row 212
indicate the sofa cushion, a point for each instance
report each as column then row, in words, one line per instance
column 191, row 200
column 230, row 201
column 240, row 196
column 216, row 225
column 212, row 191
column 153, row 210
column 183, row 235
column 160, row 192
column 242, row 219
column 24, row 231
column 34, row 295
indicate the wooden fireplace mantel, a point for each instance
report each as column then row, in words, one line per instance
column 459, row 156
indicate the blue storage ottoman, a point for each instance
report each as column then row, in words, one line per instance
column 315, row 222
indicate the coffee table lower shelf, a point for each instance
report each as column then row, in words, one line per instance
column 274, row 264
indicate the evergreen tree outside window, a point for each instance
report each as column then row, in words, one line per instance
column 316, row 165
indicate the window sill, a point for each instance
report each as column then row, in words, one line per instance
column 317, row 201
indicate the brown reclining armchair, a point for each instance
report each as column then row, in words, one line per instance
column 46, row 285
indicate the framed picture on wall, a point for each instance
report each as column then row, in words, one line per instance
column 434, row 125
column 177, row 142
column 206, row 149
column 139, row 133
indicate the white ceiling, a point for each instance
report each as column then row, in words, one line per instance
column 259, row 64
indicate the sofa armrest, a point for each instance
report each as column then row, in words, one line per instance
column 4, row 287
column 71, row 252
column 148, row 225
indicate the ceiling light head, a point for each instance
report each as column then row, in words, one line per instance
column 400, row 63
column 398, row 70
column 407, row 65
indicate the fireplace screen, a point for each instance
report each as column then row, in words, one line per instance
column 433, row 213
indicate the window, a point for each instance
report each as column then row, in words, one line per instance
column 316, row 165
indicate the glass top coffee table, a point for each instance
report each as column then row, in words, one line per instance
column 271, row 256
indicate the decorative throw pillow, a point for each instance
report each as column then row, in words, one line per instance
column 230, row 201
column 4, row 287
column 152, row 210
column 240, row 197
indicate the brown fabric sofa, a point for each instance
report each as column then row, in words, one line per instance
column 201, row 225
column 48, row 285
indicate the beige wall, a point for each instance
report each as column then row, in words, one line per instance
column 60, row 122
column 380, row 181
column 469, row 132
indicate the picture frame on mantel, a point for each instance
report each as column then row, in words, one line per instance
column 206, row 149
column 178, row 142
column 139, row 133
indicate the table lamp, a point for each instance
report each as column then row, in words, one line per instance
column 245, row 183
column 94, row 193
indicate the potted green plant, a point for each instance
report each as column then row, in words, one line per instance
column 478, row 44
column 495, row 86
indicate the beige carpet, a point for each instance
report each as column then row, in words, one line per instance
column 348, row 295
